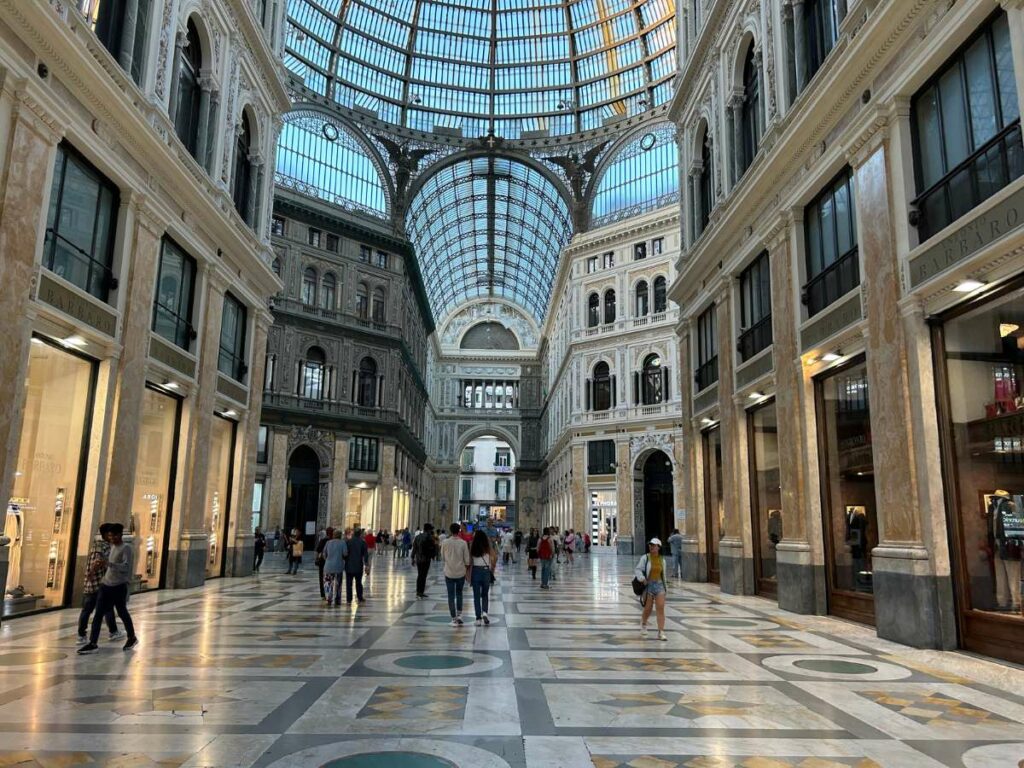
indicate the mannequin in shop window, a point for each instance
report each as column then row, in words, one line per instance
column 857, row 539
column 1006, row 528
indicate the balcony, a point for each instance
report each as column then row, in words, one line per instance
column 835, row 281
column 295, row 307
column 627, row 413
column 503, row 469
column 755, row 338
column 987, row 170
column 328, row 407
column 625, row 324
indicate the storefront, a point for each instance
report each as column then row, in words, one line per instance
column 153, row 499
column 850, row 521
column 714, row 506
column 218, row 492
column 979, row 350
column 765, row 496
column 362, row 507
column 604, row 516
column 44, row 510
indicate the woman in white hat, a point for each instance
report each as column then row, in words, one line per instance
column 651, row 572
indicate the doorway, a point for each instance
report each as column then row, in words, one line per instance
column 303, row 501
column 658, row 510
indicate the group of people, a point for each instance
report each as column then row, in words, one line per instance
column 344, row 553
column 108, row 573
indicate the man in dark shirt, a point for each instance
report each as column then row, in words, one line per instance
column 357, row 560
column 424, row 550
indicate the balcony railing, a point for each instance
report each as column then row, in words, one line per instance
column 755, row 338
column 987, row 170
column 836, row 280
column 327, row 407
column 333, row 316
column 706, row 374
column 503, row 468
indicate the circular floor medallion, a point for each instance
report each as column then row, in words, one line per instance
column 433, row 661
column 995, row 756
column 834, row 665
column 433, row 664
column 390, row 760
column 24, row 658
column 728, row 623
column 831, row 667
column 392, row 753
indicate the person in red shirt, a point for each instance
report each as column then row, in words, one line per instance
column 465, row 535
column 371, row 546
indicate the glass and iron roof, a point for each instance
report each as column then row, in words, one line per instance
column 488, row 227
column 486, row 66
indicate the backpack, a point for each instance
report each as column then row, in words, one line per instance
column 544, row 550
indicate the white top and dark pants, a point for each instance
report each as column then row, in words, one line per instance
column 114, row 591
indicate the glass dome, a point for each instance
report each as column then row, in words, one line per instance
column 474, row 67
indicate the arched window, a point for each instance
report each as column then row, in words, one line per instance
column 609, row 306
column 602, row 384
column 313, row 374
column 362, row 302
column 186, row 117
column 378, row 305
column 643, row 175
column 240, row 192
column 276, row 266
column 749, row 113
column 706, row 188
column 309, row 287
column 642, row 300
column 659, row 294
column 652, row 381
column 366, row 390
column 593, row 310
column 327, row 291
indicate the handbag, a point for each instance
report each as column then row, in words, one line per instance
column 638, row 586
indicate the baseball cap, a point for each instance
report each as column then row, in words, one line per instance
column 655, row 540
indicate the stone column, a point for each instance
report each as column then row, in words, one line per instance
column 254, row 180
column 278, row 493
column 31, row 141
column 130, row 383
column 190, row 554
column 733, row 562
column 687, row 449
column 387, row 486
column 762, row 92
column 624, row 498
column 799, row 45
column 203, row 130
column 580, row 505
column 131, row 17
column 339, row 480
column 906, row 605
column 796, row 582
column 698, row 203
column 240, row 548
column 736, row 110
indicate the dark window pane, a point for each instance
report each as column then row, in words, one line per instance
column 981, row 91
column 954, row 117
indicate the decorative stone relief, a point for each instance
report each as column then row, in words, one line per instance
column 505, row 314
column 650, row 441
column 166, row 30
column 321, row 441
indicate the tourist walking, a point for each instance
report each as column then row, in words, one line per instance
column 570, row 545
column 320, row 559
column 259, row 547
column 546, row 554
column 334, row 567
column 295, row 550
column 651, row 573
column 424, row 550
column 508, row 547
column 357, row 562
column 519, row 542
column 675, row 543
column 455, row 556
column 94, row 570
column 484, row 560
column 113, row 591
column 531, row 552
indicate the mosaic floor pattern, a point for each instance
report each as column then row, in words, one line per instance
column 259, row 673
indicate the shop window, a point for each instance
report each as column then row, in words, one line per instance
column 609, row 306
column 642, row 305
column 660, row 290
column 755, row 308
column 982, row 352
column 766, row 496
column 328, row 289
column 175, row 289
column 639, row 251
column 848, row 483
column 314, row 237
column 186, row 117
column 81, row 224
column 231, row 360
column 277, row 225
column 653, row 381
column 707, row 348
column 309, row 286
column 262, row 444
column 45, row 500
column 967, row 137
column 830, row 229
column 366, row 392
column 218, row 493
column 601, row 457
column 593, row 310
column 363, row 454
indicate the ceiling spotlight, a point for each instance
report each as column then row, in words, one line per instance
column 966, row 286
column 755, row 395
column 707, row 422
column 230, row 413
column 37, row 340
column 1005, row 329
column 74, row 341
column 170, row 385
column 831, row 357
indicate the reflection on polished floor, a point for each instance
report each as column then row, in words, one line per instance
column 259, row 673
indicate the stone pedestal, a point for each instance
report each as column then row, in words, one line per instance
column 736, row 571
column 190, row 560
column 797, row 577
column 695, row 566
column 240, row 555
column 906, row 596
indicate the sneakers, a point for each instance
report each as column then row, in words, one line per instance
column 455, row 623
column 132, row 642
column 458, row 620
column 81, row 640
column 544, row 586
column 88, row 648
column 663, row 637
column 643, row 630
column 478, row 622
column 487, row 620
column 117, row 635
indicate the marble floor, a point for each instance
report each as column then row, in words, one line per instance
column 258, row 672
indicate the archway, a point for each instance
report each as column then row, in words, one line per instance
column 303, row 495
column 486, row 489
column 659, row 516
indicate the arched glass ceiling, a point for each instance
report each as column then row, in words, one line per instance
column 507, row 66
column 488, row 227
column 319, row 157
column 643, row 175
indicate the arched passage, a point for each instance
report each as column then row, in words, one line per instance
column 658, row 517
column 486, row 490
column 302, row 498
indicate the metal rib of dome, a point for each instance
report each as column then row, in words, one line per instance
column 505, row 67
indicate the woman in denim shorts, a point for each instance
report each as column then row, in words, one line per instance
column 651, row 572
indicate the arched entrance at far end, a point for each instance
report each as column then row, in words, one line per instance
column 303, row 495
column 659, row 517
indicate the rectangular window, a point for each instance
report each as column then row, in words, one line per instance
column 277, row 225
column 257, row 502
column 468, row 459
column 231, row 361
column 591, row 264
column 362, row 455
column 608, row 260
column 503, row 458
column 967, row 137
column 175, row 290
column 830, row 231
column 382, row 260
column 501, row 489
column 601, row 457
column 332, row 243
column 707, row 348
column 657, row 245
column 261, row 444
column 466, row 490
column 365, row 254
column 755, row 308
column 639, row 251
column 765, row 495
column 81, row 224
column 315, row 237
column 822, row 27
